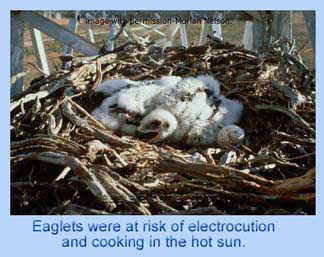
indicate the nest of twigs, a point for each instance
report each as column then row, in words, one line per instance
column 65, row 162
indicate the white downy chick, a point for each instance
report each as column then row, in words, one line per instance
column 137, row 99
column 129, row 100
column 190, row 109
column 161, row 122
column 105, row 116
column 185, row 101
column 111, row 86
column 229, row 111
column 211, row 83
column 168, row 81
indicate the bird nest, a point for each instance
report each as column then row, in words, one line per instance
column 63, row 161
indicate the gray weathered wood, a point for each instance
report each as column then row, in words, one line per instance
column 39, row 49
column 58, row 32
column 183, row 35
column 311, row 27
column 16, row 53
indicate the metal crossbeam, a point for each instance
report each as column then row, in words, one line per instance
column 248, row 36
column 217, row 31
column 203, row 34
column 58, row 32
column 183, row 35
column 111, row 35
column 282, row 25
column 16, row 54
column 73, row 26
column 310, row 23
column 39, row 49
column 148, row 14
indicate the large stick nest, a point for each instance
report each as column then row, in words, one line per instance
column 65, row 162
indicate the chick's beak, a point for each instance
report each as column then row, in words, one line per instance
column 155, row 139
column 153, row 136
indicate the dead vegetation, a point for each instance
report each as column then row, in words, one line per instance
column 65, row 162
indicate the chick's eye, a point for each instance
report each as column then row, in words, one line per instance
column 166, row 125
column 155, row 123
